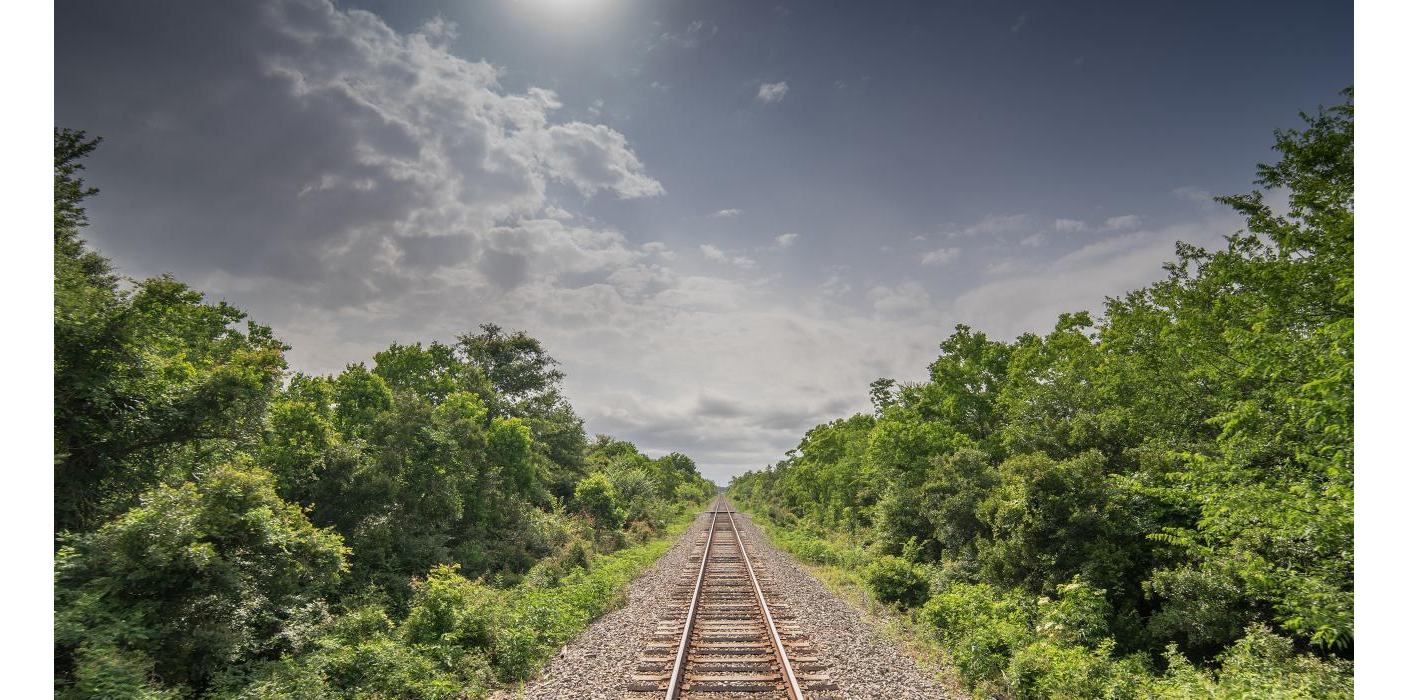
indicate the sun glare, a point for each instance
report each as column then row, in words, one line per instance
column 566, row 9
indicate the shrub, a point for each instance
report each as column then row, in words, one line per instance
column 812, row 550
column 896, row 581
column 1261, row 664
column 698, row 492
column 1202, row 610
column 535, row 622
column 103, row 671
column 1052, row 671
column 377, row 667
column 198, row 578
column 1079, row 615
column 448, row 609
column 980, row 629
column 596, row 497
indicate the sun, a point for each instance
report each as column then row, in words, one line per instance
column 567, row 8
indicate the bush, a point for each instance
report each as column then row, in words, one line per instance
column 198, row 578
column 375, row 667
column 1260, row 665
column 535, row 622
column 895, row 581
column 696, row 493
column 1046, row 670
column 1079, row 615
column 448, row 609
column 807, row 548
column 1201, row 610
column 596, row 497
column 980, row 629
column 110, row 672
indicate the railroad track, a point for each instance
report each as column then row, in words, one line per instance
column 724, row 634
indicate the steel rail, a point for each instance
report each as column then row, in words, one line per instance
column 682, row 658
column 795, row 691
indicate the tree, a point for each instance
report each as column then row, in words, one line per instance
column 596, row 497
column 150, row 383
column 197, row 578
column 1272, row 319
column 1186, row 459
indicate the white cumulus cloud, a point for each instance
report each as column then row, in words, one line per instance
column 940, row 258
column 713, row 252
column 594, row 158
column 716, row 254
column 772, row 92
column 1118, row 223
column 903, row 299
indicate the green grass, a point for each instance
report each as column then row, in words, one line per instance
column 537, row 621
column 969, row 640
column 840, row 565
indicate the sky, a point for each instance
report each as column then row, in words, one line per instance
column 725, row 219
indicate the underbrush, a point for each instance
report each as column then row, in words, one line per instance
column 1007, row 644
column 461, row 636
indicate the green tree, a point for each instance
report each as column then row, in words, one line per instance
column 196, row 579
column 596, row 497
column 1179, row 470
column 150, row 383
column 1270, row 322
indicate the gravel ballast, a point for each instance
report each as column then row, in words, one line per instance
column 597, row 664
column 861, row 661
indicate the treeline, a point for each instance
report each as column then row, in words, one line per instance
column 1155, row 502
column 425, row 527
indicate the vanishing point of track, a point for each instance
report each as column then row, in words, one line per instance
column 724, row 635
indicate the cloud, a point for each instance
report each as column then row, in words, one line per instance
column 1118, row 223
column 1068, row 225
column 835, row 285
column 1019, row 23
column 384, row 174
column 726, row 213
column 715, row 254
column 595, row 158
column 940, row 258
column 1196, row 195
column 991, row 224
column 690, row 38
column 436, row 198
column 785, row 240
column 1029, row 297
column 772, row 92
column 905, row 298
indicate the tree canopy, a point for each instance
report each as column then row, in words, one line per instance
column 227, row 528
column 1188, row 454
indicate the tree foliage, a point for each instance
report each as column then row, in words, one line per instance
column 229, row 529
column 151, row 382
column 196, row 577
column 1186, row 459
